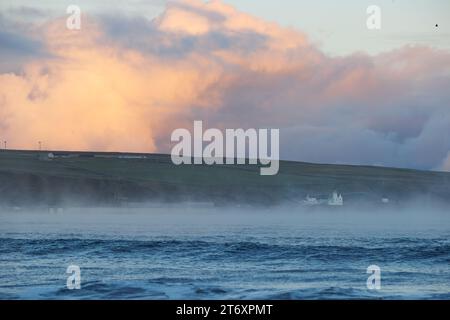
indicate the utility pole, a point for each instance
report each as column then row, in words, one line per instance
column 4, row 142
column 40, row 145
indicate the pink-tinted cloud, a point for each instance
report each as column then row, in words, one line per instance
column 445, row 164
column 125, row 83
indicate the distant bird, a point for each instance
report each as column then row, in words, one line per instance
column 437, row 25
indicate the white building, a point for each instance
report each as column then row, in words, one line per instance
column 309, row 201
column 336, row 199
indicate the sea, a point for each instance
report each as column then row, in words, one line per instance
column 183, row 252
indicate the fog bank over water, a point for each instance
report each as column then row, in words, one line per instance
column 177, row 218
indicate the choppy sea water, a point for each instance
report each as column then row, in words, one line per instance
column 178, row 253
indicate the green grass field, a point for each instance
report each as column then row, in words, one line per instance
column 31, row 178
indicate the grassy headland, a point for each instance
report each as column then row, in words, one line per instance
column 32, row 178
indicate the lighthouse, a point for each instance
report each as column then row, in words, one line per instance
column 336, row 199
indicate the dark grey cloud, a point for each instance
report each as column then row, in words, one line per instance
column 19, row 44
column 144, row 35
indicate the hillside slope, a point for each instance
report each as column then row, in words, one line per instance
column 31, row 178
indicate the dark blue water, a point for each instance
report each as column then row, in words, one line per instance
column 207, row 254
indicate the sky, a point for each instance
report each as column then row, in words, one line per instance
column 338, row 27
column 136, row 70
